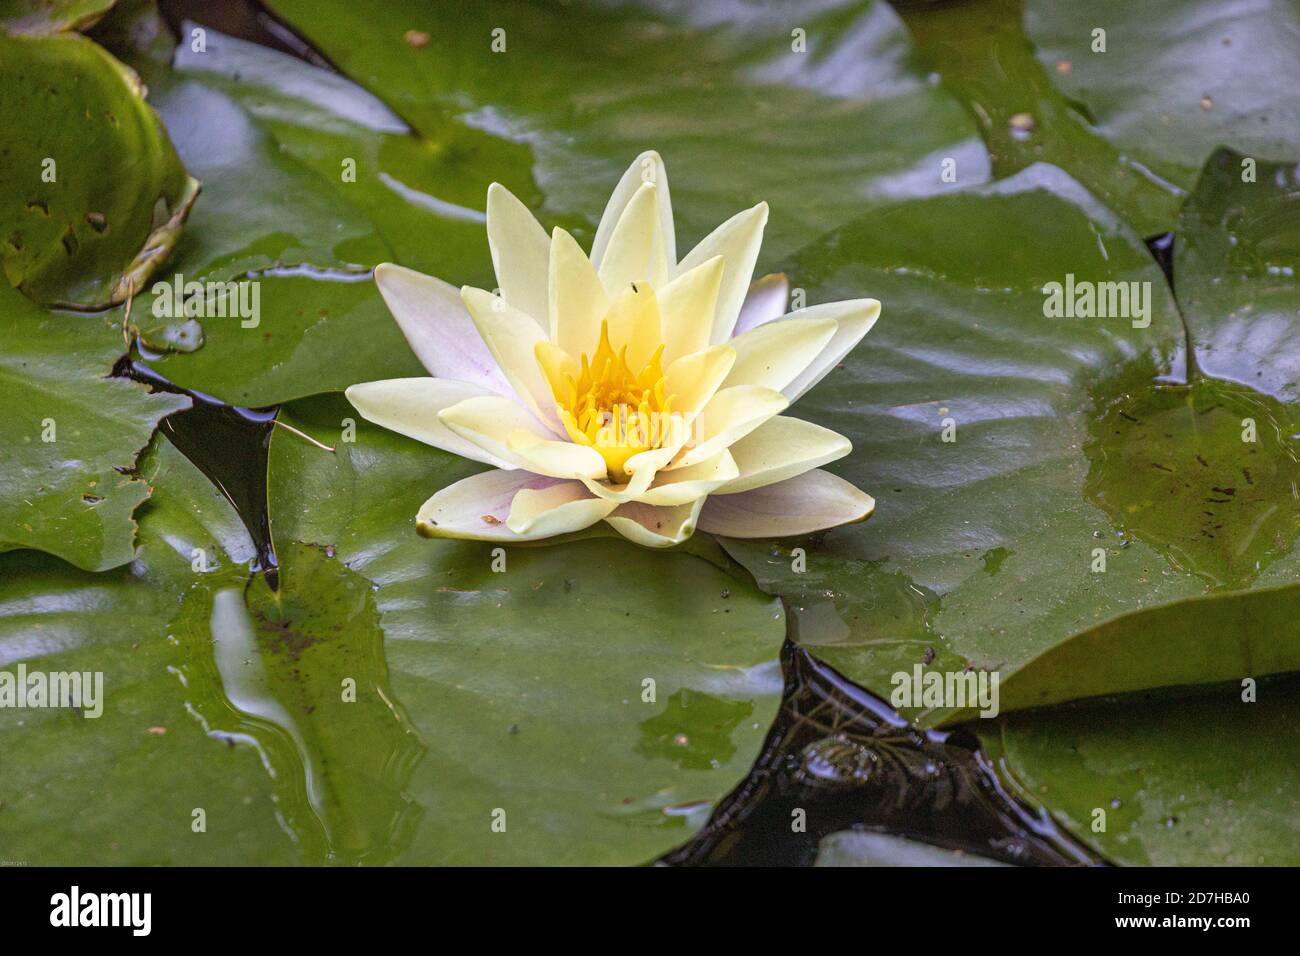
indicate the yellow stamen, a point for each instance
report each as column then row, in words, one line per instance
column 613, row 409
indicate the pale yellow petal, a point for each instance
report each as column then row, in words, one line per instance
column 731, row 414
column 693, row 379
column 774, row 354
column 782, row 448
column 655, row 526
column 478, row 508
column 558, row 509
column 737, row 240
column 683, row 485
column 511, row 337
column 686, row 308
column 559, row 459
column 646, row 168
column 634, row 323
column 636, row 249
column 854, row 319
column 506, row 430
column 521, row 254
column 410, row 407
column 578, row 301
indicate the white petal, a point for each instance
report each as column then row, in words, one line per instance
column 854, row 319
column 687, row 305
column 730, row 415
column 636, row 249
column 766, row 300
column 653, row 526
column 773, row 355
column 432, row 316
column 737, row 240
column 646, row 168
column 410, row 407
column 577, row 302
column 506, row 430
column 561, row 508
column 478, row 508
column 782, row 448
column 809, row 502
column 521, row 253
column 511, row 337
column 683, row 485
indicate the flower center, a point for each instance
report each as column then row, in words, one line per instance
column 615, row 410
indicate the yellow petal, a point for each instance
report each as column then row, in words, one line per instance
column 521, row 254
column 577, row 299
column 646, row 168
column 683, row 485
column 686, row 308
column 559, row 459
column 774, row 354
column 634, row 323
column 731, row 414
column 693, row 379
column 737, row 240
column 782, row 448
column 636, row 249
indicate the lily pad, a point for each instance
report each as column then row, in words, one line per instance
column 979, row 50
column 75, row 789
column 1169, row 81
column 51, row 16
column 660, row 664
column 92, row 194
column 978, row 424
column 817, row 108
column 1194, row 781
column 70, row 437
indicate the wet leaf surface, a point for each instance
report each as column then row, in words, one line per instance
column 90, row 186
column 69, row 437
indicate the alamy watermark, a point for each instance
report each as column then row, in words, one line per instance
column 1098, row 300
column 83, row 690
column 936, row 689
column 241, row 299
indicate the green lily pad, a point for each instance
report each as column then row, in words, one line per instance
column 38, row 17
column 503, row 659
column 1177, row 78
column 1195, row 781
column 1030, row 544
column 92, row 194
column 825, row 98
column 70, row 436
column 979, row 49
column 309, row 182
column 75, row 789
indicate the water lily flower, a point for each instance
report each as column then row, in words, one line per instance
column 625, row 386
